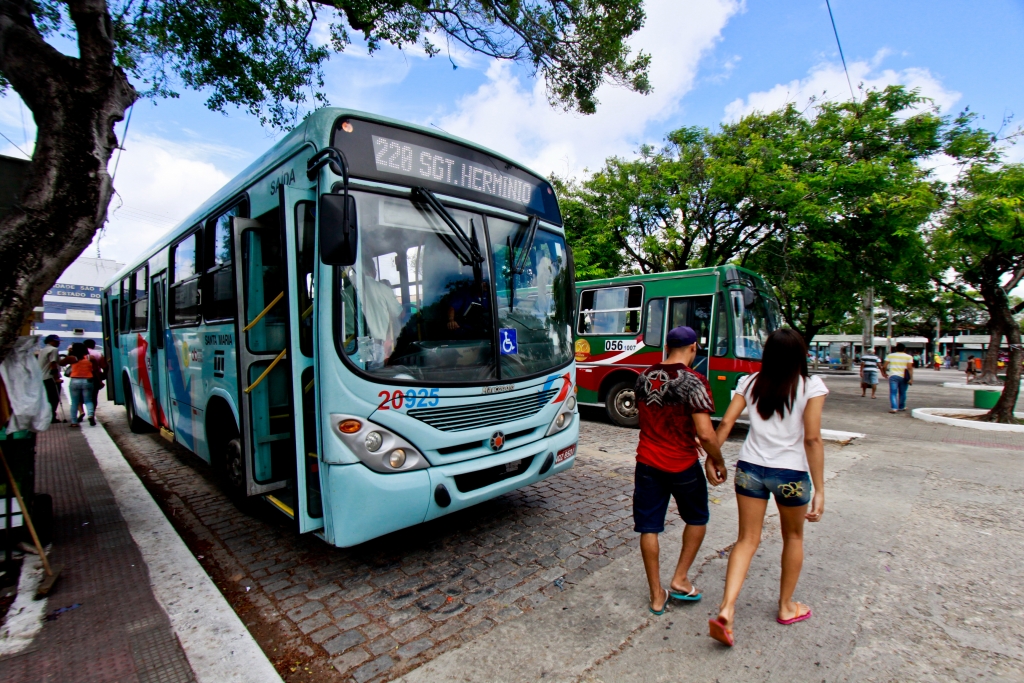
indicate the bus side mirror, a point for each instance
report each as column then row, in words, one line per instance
column 338, row 234
column 749, row 296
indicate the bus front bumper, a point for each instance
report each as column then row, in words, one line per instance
column 366, row 504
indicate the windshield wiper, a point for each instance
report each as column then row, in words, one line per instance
column 524, row 243
column 466, row 249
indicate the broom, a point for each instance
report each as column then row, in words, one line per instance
column 52, row 572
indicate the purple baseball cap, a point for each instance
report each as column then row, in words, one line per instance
column 680, row 336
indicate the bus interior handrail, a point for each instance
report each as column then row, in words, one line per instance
column 263, row 313
column 266, row 372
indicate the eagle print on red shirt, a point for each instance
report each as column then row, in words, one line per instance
column 667, row 396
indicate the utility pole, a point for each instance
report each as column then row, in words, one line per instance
column 888, row 330
column 868, row 336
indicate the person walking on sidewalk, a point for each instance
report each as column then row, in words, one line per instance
column 101, row 369
column 899, row 369
column 83, row 369
column 783, row 444
column 675, row 408
column 972, row 368
column 869, row 373
column 49, row 361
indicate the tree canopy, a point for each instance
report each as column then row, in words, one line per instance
column 823, row 203
column 265, row 56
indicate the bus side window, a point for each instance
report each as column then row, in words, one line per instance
column 184, row 290
column 653, row 328
column 140, row 299
column 220, row 270
column 124, row 303
column 722, row 327
column 611, row 310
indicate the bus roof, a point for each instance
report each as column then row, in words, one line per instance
column 316, row 129
column 668, row 275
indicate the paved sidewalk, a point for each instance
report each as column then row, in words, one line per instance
column 118, row 632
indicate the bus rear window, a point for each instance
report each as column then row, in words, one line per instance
column 610, row 310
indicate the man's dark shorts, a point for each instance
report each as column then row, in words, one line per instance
column 652, row 488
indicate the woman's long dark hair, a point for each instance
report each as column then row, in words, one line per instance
column 78, row 350
column 783, row 363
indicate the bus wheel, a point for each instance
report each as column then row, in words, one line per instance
column 135, row 423
column 234, row 465
column 621, row 405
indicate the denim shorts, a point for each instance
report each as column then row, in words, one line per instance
column 870, row 376
column 652, row 488
column 792, row 488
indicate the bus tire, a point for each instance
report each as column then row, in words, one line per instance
column 620, row 403
column 135, row 423
column 234, row 466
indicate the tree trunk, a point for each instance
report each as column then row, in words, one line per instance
column 75, row 103
column 999, row 308
column 991, row 362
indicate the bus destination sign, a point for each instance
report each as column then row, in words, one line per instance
column 417, row 161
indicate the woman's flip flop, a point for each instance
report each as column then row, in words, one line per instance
column 720, row 632
column 802, row 617
column 692, row 596
column 663, row 607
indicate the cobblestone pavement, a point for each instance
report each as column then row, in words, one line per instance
column 385, row 607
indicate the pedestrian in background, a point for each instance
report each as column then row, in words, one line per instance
column 972, row 369
column 869, row 373
column 101, row 369
column 83, row 369
column 675, row 408
column 49, row 363
column 899, row 369
column 938, row 361
column 782, row 456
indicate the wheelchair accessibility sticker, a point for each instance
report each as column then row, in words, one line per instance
column 507, row 341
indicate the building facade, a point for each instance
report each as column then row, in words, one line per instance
column 71, row 308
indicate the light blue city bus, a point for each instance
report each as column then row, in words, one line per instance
column 369, row 328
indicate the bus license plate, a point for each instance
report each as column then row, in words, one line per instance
column 565, row 453
column 513, row 466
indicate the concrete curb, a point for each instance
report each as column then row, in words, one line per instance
column 218, row 646
column 976, row 387
column 935, row 415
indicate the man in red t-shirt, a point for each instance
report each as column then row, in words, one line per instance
column 675, row 421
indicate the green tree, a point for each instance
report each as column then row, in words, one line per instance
column 253, row 54
column 981, row 239
column 824, row 203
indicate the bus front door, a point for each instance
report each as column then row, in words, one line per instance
column 298, row 213
column 694, row 312
column 265, row 378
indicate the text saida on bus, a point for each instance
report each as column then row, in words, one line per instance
column 370, row 327
column 622, row 322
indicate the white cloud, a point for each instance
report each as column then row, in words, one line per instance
column 827, row 81
column 516, row 119
column 158, row 184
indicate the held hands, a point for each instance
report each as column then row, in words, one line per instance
column 817, row 507
column 717, row 472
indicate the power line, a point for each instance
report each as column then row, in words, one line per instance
column 835, row 31
column 120, row 148
column 15, row 146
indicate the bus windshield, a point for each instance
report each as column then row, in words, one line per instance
column 755, row 316
column 418, row 305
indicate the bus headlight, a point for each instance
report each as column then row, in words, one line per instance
column 397, row 458
column 564, row 417
column 373, row 442
column 377, row 447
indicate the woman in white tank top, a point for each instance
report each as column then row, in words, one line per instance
column 781, row 456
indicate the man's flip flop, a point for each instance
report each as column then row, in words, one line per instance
column 663, row 607
column 692, row 596
column 802, row 617
column 720, row 632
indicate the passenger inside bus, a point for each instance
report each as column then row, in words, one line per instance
column 381, row 311
column 469, row 308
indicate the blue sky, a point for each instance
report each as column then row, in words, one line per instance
column 713, row 60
